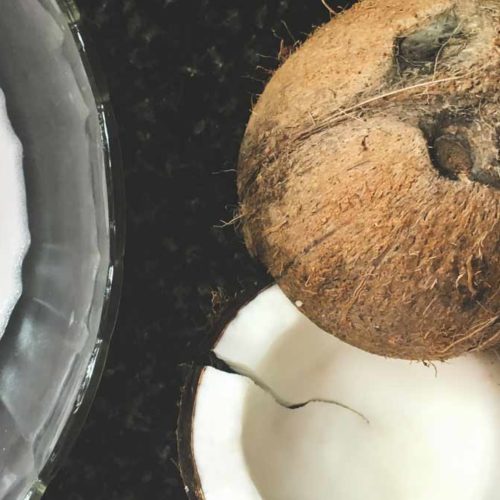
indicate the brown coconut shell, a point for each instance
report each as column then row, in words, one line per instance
column 369, row 175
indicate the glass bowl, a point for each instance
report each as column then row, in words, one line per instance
column 53, row 351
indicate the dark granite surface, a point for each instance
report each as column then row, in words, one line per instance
column 183, row 75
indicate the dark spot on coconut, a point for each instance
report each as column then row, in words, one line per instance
column 419, row 52
column 453, row 156
column 450, row 138
column 449, row 149
column 452, row 148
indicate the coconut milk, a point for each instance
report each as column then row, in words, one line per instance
column 14, row 233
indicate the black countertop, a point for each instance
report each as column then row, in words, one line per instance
column 183, row 75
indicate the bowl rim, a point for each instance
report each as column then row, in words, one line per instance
column 116, row 212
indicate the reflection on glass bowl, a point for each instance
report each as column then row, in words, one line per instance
column 53, row 349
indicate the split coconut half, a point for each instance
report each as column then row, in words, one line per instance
column 301, row 415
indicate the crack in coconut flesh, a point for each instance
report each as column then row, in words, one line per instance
column 308, row 416
column 369, row 177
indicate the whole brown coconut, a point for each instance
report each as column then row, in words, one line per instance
column 369, row 177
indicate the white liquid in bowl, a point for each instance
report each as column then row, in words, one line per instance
column 14, row 232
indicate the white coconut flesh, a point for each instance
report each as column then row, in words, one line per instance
column 366, row 427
